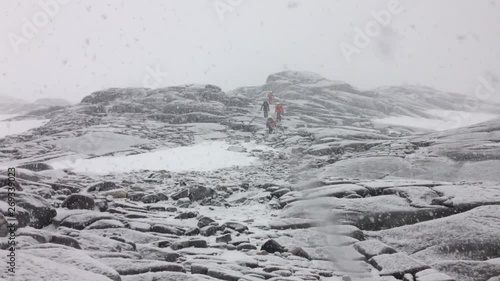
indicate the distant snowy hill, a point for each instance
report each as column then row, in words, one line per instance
column 315, row 96
column 15, row 106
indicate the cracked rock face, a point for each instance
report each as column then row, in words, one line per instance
column 329, row 196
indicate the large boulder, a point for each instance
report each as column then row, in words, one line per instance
column 471, row 236
column 200, row 192
column 22, row 215
column 337, row 190
column 81, row 220
column 150, row 198
column 272, row 246
column 464, row 197
column 371, row 248
column 153, row 253
column 40, row 210
column 197, row 243
column 6, row 182
column 432, row 275
column 105, row 224
column 476, row 143
column 28, row 175
column 205, row 221
column 397, row 264
column 180, row 194
column 132, row 267
column 167, row 229
column 116, row 193
column 371, row 213
column 469, row 270
column 93, row 242
column 74, row 258
column 102, row 186
column 43, row 237
column 36, row 167
column 4, row 230
column 62, row 186
column 78, row 201
column 39, row 268
column 235, row 226
column 209, row 230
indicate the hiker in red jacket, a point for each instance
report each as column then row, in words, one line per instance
column 270, row 97
column 279, row 111
column 270, row 123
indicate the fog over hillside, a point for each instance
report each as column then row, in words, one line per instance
column 238, row 43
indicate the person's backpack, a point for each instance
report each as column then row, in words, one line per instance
column 271, row 123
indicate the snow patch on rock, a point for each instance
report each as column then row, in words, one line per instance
column 8, row 128
column 444, row 120
column 207, row 156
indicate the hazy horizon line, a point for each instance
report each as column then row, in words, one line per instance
column 363, row 89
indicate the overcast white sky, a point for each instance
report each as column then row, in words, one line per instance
column 95, row 44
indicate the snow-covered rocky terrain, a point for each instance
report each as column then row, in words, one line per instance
column 185, row 183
